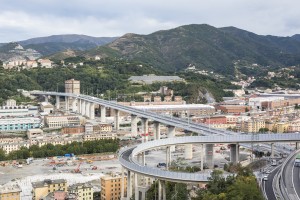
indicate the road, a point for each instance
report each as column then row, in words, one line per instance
column 291, row 180
column 269, row 185
column 296, row 179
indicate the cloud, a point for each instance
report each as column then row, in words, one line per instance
column 32, row 18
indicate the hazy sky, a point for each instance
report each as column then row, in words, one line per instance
column 24, row 19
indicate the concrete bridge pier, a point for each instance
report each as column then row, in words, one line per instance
column 145, row 129
column 202, row 157
column 171, row 133
column 168, row 157
column 87, row 108
column 188, row 151
column 162, row 190
column 134, row 120
column 92, row 111
column 46, row 98
column 297, row 145
column 79, row 106
column 272, row 150
column 57, row 103
column 103, row 114
column 67, row 104
column 74, row 105
column 129, row 185
column 234, row 153
column 83, row 105
column 157, row 130
column 117, row 120
column 209, row 155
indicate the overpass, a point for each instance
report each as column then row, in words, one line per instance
column 85, row 105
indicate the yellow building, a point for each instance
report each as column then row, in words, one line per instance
column 111, row 187
column 252, row 125
column 10, row 192
column 83, row 191
column 282, row 127
column 42, row 188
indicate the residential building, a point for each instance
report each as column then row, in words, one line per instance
column 72, row 86
column 47, row 107
column 41, row 189
column 103, row 127
column 282, row 127
column 111, row 187
column 45, row 63
column 72, row 129
column 31, row 64
column 252, row 125
column 61, row 121
column 11, row 103
column 33, row 133
column 99, row 136
column 11, row 192
column 9, row 147
column 84, row 191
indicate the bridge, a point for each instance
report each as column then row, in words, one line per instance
column 85, row 105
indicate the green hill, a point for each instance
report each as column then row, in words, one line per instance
column 204, row 46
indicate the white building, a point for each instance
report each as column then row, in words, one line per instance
column 256, row 102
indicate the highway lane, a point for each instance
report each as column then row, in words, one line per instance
column 269, row 185
column 296, row 180
column 289, row 178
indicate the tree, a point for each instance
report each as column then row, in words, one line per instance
column 2, row 154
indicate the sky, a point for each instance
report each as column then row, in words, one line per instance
column 24, row 19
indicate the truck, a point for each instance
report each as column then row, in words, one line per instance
column 274, row 162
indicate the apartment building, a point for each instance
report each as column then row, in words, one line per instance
column 84, row 191
column 41, row 189
column 99, row 136
column 252, row 125
column 10, row 192
column 111, row 187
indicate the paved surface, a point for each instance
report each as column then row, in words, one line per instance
column 40, row 167
column 269, row 185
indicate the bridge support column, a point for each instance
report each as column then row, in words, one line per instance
column 129, row 185
column 67, row 104
column 234, row 153
column 57, row 104
column 157, row 130
column 145, row 129
column 79, row 105
column 188, row 151
column 209, row 154
column 297, row 145
column 87, row 109
column 171, row 133
column 201, row 157
column 168, row 157
column 117, row 120
column 46, row 98
column 122, row 184
column 92, row 111
column 136, row 186
column 103, row 114
column 74, row 105
column 162, row 195
column 272, row 150
column 134, row 120
column 83, row 105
